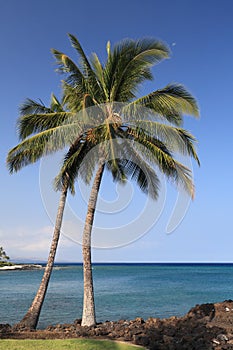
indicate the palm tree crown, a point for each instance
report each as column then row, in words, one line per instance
column 128, row 64
column 116, row 118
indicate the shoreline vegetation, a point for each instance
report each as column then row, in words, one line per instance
column 207, row 326
column 7, row 265
column 11, row 266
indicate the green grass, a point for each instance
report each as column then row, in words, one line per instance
column 68, row 344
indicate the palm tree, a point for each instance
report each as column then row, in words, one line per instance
column 39, row 119
column 3, row 256
column 92, row 84
column 133, row 140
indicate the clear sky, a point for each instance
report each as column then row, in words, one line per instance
column 200, row 35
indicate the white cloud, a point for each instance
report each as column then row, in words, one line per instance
column 28, row 242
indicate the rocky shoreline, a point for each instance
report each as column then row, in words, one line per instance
column 204, row 327
column 21, row 267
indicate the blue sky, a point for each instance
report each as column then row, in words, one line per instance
column 200, row 35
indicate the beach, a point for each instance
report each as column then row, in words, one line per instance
column 21, row 267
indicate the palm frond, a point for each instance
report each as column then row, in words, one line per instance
column 176, row 139
column 99, row 72
column 72, row 97
column 117, row 171
column 135, row 166
column 44, row 143
column 129, row 65
column 108, row 48
column 36, row 117
column 55, row 104
column 144, row 175
column 75, row 77
column 71, row 163
column 93, row 84
column 30, row 106
column 172, row 102
column 156, row 153
column 33, row 123
column 188, row 142
column 81, row 160
column 184, row 178
column 27, row 152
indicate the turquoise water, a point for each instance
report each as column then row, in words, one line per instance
column 121, row 291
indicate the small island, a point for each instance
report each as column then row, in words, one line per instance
column 11, row 266
column 6, row 265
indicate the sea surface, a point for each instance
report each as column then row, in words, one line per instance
column 122, row 291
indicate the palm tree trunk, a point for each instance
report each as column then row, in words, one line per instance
column 31, row 318
column 88, row 317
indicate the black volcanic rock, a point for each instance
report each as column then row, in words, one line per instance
column 204, row 327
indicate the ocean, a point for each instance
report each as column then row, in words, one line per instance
column 122, row 291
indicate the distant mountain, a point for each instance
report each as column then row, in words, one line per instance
column 36, row 261
column 27, row 261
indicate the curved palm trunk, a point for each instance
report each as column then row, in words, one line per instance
column 88, row 317
column 31, row 318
